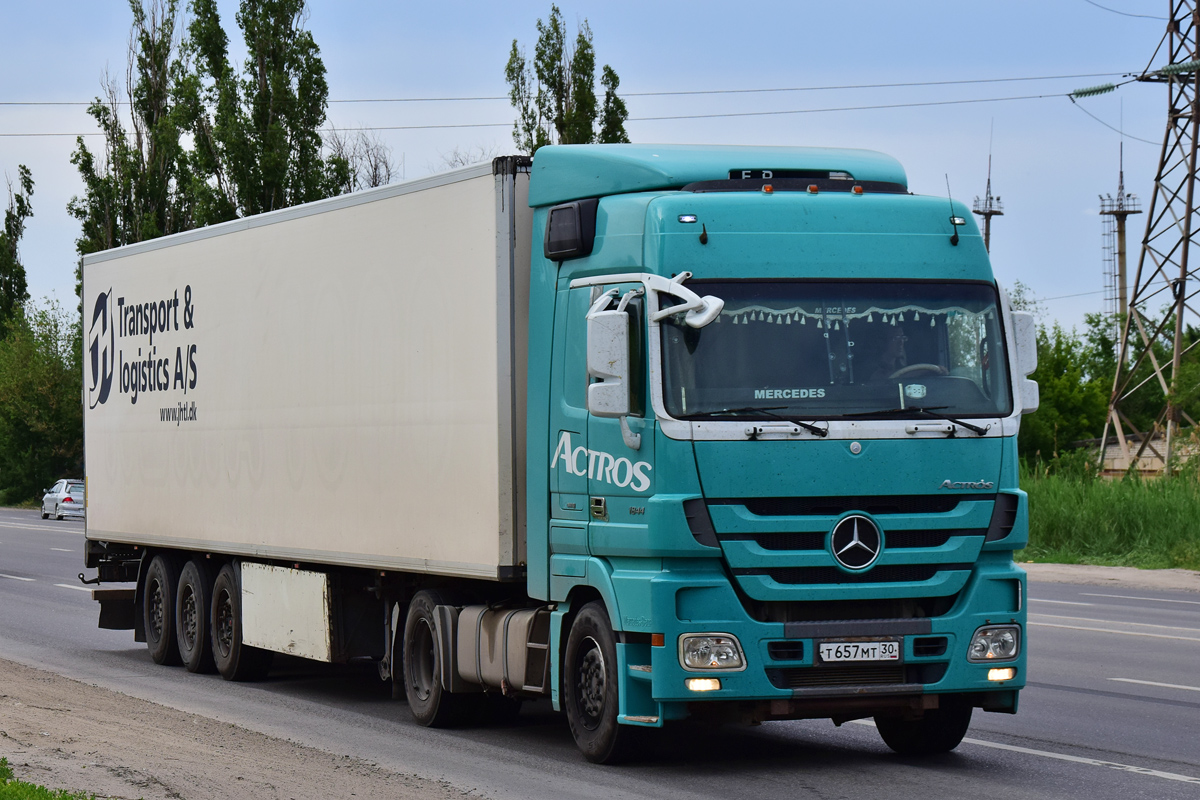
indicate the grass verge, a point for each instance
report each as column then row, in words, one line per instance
column 1078, row 518
column 12, row 789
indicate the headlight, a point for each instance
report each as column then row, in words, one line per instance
column 995, row 643
column 711, row 651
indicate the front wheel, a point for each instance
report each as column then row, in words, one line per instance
column 941, row 729
column 590, row 687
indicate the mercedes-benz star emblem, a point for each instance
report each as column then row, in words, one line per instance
column 856, row 542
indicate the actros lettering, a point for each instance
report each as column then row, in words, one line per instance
column 967, row 484
column 601, row 466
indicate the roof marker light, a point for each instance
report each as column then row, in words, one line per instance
column 857, row 189
column 768, row 188
column 812, row 188
column 687, row 217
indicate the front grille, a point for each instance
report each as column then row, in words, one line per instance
column 834, row 506
column 892, row 573
column 855, row 675
column 929, row 646
column 840, row 675
column 824, row 610
column 896, row 540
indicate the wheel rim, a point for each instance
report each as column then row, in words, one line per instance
column 224, row 625
column 590, row 683
column 420, row 660
column 157, row 605
column 189, row 618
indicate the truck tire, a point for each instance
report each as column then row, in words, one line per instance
column 193, row 610
column 431, row 704
column 941, row 729
column 591, row 685
column 158, row 609
column 234, row 660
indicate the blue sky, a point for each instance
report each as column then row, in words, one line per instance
column 1050, row 160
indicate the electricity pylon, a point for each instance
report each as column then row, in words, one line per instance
column 1164, row 285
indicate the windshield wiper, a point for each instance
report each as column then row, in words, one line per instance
column 767, row 411
column 929, row 411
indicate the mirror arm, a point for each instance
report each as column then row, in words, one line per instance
column 632, row 440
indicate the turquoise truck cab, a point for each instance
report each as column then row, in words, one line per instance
column 773, row 403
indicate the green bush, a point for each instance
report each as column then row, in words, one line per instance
column 11, row 789
column 1075, row 517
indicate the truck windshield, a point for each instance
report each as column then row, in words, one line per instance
column 823, row 350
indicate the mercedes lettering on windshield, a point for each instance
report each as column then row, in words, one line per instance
column 822, row 350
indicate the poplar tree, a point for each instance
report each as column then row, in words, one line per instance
column 13, row 289
column 555, row 96
column 257, row 130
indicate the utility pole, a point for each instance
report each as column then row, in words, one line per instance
column 987, row 208
column 1116, row 210
column 1164, row 286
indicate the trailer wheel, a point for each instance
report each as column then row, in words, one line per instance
column 590, row 687
column 193, row 607
column 430, row 703
column 939, row 731
column 158, row 609
column 234, row 660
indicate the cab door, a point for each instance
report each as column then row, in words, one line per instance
column 568, row 456
column 621, row 477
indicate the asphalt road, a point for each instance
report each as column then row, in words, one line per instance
column 1112, row 709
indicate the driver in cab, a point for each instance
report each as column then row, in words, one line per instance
column 892, row 360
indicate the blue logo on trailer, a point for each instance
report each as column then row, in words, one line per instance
column 101, row 349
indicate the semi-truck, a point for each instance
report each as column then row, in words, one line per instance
column 654, row 432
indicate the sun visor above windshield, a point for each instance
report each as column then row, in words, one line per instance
column 562, row 173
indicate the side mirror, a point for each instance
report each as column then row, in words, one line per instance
column 1025, row 343
column 608, row 360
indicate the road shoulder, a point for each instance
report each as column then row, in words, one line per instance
column 1166, row 580
column 65, row 734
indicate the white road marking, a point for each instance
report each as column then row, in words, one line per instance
column 1120, row 622
column 1063, row 602
column 1111, row 630
column 43, row 527
column 1095, row 762
column 16, row 577
column 1151, row 599
column 1156, row 683
column 68, row 550
column 76, row 588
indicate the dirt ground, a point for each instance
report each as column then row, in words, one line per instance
column 68, row 735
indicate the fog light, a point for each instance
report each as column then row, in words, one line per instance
column 710, row 651
column 704, row 684
column 1003, row 674
column 995, row 643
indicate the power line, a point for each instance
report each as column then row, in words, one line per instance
column 723, row 115
column 1110, row 127
column 684, row 93
column 1122, row 13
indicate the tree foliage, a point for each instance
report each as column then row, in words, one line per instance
column 257, row 134
column 41, row 416
column 205, row 142
column 555, row 96
column 13, row 289
column 137, row 187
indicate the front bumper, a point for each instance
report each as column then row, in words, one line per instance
column 783, row 671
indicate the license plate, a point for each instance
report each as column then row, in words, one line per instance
column 885, row 650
